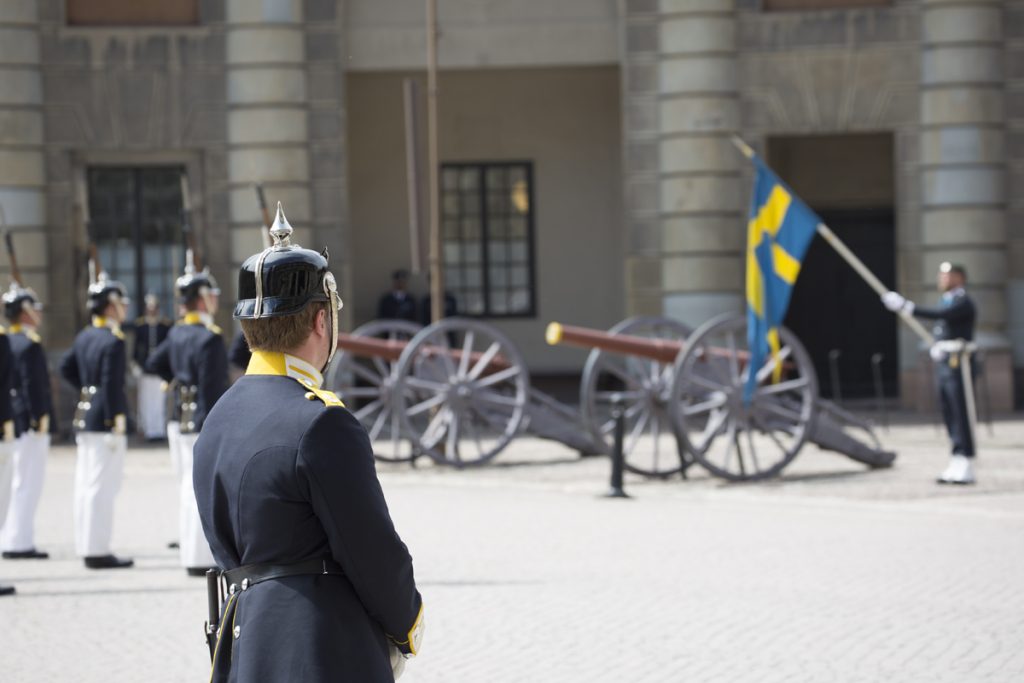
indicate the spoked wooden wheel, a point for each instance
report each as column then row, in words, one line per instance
column 644, row 386
column 462, row 389
column 366, row 385
column 731, row 437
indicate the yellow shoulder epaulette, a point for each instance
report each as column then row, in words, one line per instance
column 328, row 397
column 34, row 336
column 3, row 330
column 140, row 321
column 117, row 332
column 214, row 328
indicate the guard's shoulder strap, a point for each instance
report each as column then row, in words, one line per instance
column 214, row 328
column 329, row 398
column 118, row 332
column 34, row 337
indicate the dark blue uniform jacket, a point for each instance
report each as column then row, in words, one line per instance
column 193, row 355
column 281, row 478
column 6, row 375
column 148, row 336
column 954, row 318
column 97, row 358
column 30, row 394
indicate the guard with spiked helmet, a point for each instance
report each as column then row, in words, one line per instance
column 290, row 500
column 193, row 359
column 95, row 367
column 32, row 406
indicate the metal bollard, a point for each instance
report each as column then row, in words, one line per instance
column 615, row 490
column 833, row 371
column 876, row 373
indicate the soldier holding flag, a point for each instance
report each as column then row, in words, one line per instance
column 954, row 332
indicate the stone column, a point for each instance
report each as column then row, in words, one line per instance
column 268, row 138
column 684, row 224
column 22, row 157
column 963, row 180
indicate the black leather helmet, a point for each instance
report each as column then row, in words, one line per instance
column 17, row 299
column 191, row 285
column 105, row 291
column 284, row 279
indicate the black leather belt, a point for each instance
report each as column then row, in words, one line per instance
column 249, row 575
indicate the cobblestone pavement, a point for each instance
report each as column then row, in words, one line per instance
column 831, row 573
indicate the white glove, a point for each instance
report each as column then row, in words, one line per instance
column 937, row 354
column 397, row 661
column 896, row 302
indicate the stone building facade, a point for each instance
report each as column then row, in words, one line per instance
column 624, row 109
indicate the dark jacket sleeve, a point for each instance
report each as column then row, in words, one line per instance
column 112, row 379
column 35, row 382
column 140, row 343
column 6, row 378
column 69, row 369
column 336, row 462
column 212, row 370
column 961, row 309
column 159, row 362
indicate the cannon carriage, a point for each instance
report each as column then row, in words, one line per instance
column 459, row 392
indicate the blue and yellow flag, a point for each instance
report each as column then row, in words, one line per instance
column 779, row 231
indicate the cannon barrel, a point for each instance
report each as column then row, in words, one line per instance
column 660, row 350
column 391, row 350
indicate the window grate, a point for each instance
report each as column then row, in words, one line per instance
column 488, row 237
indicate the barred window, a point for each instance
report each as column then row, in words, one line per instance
column 487, row 220
column 135, row 219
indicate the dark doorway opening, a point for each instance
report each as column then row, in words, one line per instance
column 848, row 181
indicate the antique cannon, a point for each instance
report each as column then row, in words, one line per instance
column 688, row 397
column 457, row 391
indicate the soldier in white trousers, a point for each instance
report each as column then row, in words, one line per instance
column 194, row 359
column 32, row 405
column 150, row 331
column 95, row 366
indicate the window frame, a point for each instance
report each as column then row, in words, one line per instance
column 109, row 24
column 531, row 243
column 100, row 232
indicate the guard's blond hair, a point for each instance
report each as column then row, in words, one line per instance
column 282, row 334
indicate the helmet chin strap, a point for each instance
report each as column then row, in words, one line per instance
column 334, row 304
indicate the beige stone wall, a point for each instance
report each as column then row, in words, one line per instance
column 389, row 34
column 564, row 120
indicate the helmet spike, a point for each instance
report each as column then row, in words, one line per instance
column 281, row 230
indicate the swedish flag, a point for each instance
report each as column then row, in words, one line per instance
column 779, row 231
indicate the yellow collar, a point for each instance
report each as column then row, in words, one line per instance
column 196, row 318
column 281, row 364
column 27, row 330
column 101, row 321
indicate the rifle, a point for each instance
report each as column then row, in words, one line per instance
column 266, row 215
column 214, row 598
column 194, row 259
column 12, row 259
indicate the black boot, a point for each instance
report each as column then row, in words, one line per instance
column 108, row 562
column 32, row 554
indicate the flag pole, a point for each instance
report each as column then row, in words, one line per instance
column 851, row 258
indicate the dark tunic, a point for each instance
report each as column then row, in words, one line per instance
column 193, row 355
column 97, row 358
column 148, row 336
column 281, row 478
column 30, row 391
column 954, row 319
column 6, row 379
column 397, row 305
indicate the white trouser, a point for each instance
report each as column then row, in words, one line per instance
column 195, row 550
column 30, row 452
column 152, row 406
column 6, row 472
column 173, row 435
column 98, row 474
